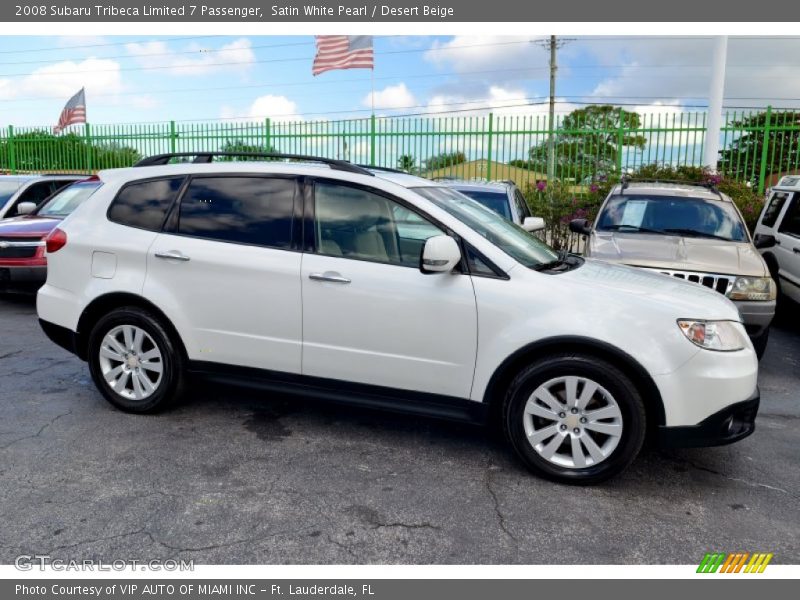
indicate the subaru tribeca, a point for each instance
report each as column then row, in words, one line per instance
column 384, row 289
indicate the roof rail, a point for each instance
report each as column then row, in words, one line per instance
column 207, row 157
column 383, row 169
column 626, row 180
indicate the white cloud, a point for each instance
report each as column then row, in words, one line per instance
column 63, row 79
column 487, row 52
column 194, row 59
column 277, row 108
column 391, row 97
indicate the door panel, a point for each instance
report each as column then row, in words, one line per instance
column 787, row 252
column 369, row 314
column 239, row 304
column 390, row 326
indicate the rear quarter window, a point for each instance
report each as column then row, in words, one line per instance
column 144, row 204
column 774, row 208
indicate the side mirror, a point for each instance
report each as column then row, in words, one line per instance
column 532, row 224
column 581, row 226
column 440, row 255
column 26, row 208
column 764, row 240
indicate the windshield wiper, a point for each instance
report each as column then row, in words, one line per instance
column 551, row 264
column 695, row 233
column 632, row 228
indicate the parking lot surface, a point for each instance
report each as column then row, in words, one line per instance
column 235, row 477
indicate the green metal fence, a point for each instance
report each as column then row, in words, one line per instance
column 757, row 146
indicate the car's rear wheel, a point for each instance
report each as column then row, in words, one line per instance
column 574, row 418
column 134, row 362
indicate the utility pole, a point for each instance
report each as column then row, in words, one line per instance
column 551, row 140
column 552, row 44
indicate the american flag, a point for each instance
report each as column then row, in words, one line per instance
column 343, row 52
column 74, row 112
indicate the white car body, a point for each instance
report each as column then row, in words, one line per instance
column 779, row 219
column 394, row 327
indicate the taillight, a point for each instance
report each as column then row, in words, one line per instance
column 56, row 240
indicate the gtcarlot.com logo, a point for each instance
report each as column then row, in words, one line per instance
column 737, row 562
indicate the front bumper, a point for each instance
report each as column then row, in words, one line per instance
column 756, row 316
column 726, row 426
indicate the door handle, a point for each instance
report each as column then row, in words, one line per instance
column 172, row 255
column 330, row 276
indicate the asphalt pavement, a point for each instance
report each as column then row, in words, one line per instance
column 235, row 477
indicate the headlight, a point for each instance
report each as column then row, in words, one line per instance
column 724, row 336
column 753, row 288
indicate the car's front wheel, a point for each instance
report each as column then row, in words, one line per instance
column 574, row 418
column 134, row 362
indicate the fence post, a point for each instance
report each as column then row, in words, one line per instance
column 372, row 140
column 489, row 149
column 173, row 137
column 620, row 132
column 762, row 175
column 268, row 135
column 12, row 151
column 88, row 133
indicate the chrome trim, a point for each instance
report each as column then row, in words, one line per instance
column 713, row 281
column 4, row 244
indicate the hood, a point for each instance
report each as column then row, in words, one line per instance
column 28, row 226
column 680, row 298
column 678, row 253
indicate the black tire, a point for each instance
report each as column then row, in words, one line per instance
column 628, row 399
column 170, row 385
column 760, row 343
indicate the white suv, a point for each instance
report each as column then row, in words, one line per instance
column 778, row 235
column 384, row 289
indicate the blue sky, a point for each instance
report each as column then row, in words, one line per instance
column 138, row 78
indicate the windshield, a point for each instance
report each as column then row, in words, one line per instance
column 7, row 189
column 672, row 215
column 511, row 239
column 68, row 199
column 496, row 201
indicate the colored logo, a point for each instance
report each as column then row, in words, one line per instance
column 737, row 562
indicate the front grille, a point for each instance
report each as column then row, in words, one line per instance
column 721, row 283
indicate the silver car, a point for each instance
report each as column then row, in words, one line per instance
column 687, row 231
column 503, row 197
column 21, row 194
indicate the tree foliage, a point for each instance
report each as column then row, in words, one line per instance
column 406, row 162
column 41, row 151
column 588, row 142
column 742, row 158
column 235, row 146
column 445, row 159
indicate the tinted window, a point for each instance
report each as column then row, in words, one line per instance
column 35, row 193
column 144, row 204
column 245, row 210
column 522, row 204
column 791, row 220
column 355, row 223
column 698, row 217
column 496, row 201
column 774, row 208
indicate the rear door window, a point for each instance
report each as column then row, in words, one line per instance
column 239, row 209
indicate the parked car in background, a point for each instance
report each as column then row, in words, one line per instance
column 23, row 265
column 778, row 235
column 503, row 197
column 21, row 194
column 300, row 277
column 687, row 231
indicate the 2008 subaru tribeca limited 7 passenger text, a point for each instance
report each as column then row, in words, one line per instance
column 386, row 289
